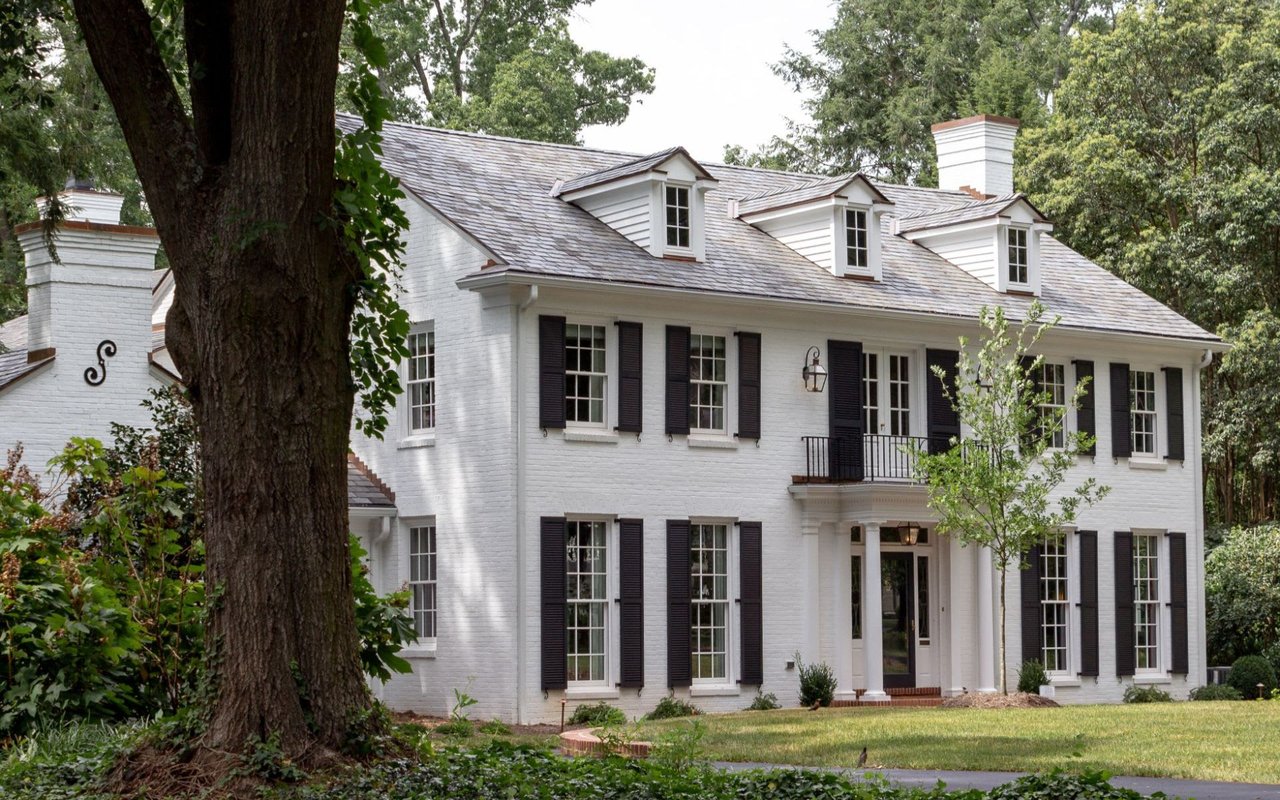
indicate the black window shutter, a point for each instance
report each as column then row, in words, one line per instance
column 1085, row 418
column 751, row 610
column 1126, row 659
column 679, row 652
column 1178, row 601
column 748, row 385
column 1031, row 606
column 944, row 422
column 1121, row 443
column 1173, row 407
column 551, row 372
column 631, row 602
column 1088, row 602
column 555, row 671
column 630, row 376
column 844, row 413
column 677, row 379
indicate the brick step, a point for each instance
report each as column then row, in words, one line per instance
column 894, row 702
column 910, row 691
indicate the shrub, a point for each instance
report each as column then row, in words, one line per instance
column 1272, row 654
column 596, row 714
column 1032, row 676
column 671, row 707
column 1146, row 694
column 764, row 702
column 1242, row 594
column 496, row 727
column 1249, row 671
column 457, row 727
column 817, row 683
column 1215, row 692
column 1056, row 784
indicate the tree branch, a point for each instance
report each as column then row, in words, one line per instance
column 207, row 24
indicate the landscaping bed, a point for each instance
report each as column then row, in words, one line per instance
column 1011, row 700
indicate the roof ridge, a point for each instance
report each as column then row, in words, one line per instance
column 797, row 187
column 497, row 138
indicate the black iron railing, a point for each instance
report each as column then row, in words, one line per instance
column 872, row 457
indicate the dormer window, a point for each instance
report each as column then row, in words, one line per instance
column 1019, row 258
column 677, row 207
column 855, row 226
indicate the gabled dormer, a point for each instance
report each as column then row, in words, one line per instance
column 996, row 240
column 656, row 202
column 834, row 223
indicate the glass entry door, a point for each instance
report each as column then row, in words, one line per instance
column 897, row 595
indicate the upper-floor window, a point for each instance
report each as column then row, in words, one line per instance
column 587, row 607
column 677, row 216
column 1052, row 385
column 1146, row 601
column 422, row 381
column 886, row 393
column 1142, row 412
column 857, row 251
column 584, row 374
column 709, row 596
column 1018, row 256
column 1055, row 606
column 708, row 383
column 422, row 580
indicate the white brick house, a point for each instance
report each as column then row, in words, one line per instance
column 611, row 483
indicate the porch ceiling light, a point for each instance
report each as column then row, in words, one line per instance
column 909, row 534
column 814, row 374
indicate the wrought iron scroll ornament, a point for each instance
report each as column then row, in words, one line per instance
column 94, row 376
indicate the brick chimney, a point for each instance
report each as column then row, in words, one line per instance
column 976, row 154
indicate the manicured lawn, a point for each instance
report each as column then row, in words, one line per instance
column 1229, row 741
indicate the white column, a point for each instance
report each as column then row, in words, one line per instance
column 842, row 613
column 872, row 616
column 812, row 595
column 986, row 623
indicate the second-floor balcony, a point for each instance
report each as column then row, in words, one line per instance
column 871, row 457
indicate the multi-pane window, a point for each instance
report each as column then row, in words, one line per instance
column 422, row 579
column 855, row 580
column 708, row 382
column 870, row 392
column 584, row 374
column 1146, row 601
column 1142, row 411
column 709, row 596
column 422, row 381
column 1054, row 605
column 855, row 228
column 899, row 395
column 677, row 216
column 1051, row 384
column 1018, row 259
column 922, row 598
column 586, row 610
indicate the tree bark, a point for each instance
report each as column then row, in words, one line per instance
column 241, row 192
column 1004, row 684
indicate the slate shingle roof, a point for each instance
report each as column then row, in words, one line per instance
column 13, row 365
column 968, row 212
column 802, row 193
column 636, row 166
column 364, row 488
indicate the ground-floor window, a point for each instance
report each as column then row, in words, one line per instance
column 587, row 607
column 1146, row 601
column 922, row 598
column 422, row 580
column 709, row 594
column 1054, row 605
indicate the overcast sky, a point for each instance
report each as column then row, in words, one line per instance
column 713, row 83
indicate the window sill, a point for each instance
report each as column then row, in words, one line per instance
column 422, row 650
column 590, row 435
column 1148, row 462
column 712, row 441
column 715, row 690
column 1155, row 677
column 417, row 440
column 591, row 693
column 1064, row 681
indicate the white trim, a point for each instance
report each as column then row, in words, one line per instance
column 714, row 690
column 590, row 435
column 417, row 440
column 712, row 441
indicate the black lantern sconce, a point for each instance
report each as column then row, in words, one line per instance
column 909, row 534
column 814, row 374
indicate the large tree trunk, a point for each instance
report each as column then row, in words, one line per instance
column 241, row 192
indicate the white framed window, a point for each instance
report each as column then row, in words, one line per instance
column 422, row 580
column 886, row 393
column 587, row 607
column 421, row 381
column 899, row 395
column 1142, row 412
column 1146, row 602
column 1019, row 258
column 857, row 247
column 677, row 216
column 708, row 383
column 1051, row 382
column 709, row 596
column 1055, row 606
column 870, row 392
column 585, row 374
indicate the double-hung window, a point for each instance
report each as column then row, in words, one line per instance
column 1055, row 605
column 422, row 580
column 709, row 597
column 584, row 374
column 587, row 607
column 886, row 393
column 708, row 383
column 1051, row 384
column 857, row 254
column 1142, row 412
column 677, row 214
column 421, row 381
column 1019, row 260
column 1146, row 602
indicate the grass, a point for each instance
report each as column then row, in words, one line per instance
column 1225, row 741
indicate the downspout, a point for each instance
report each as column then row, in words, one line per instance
column 521, row 542
column 1198, row 467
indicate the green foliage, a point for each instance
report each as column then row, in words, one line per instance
column 1032, row 676
column 596, row 714
column 384, row 625
column 1058, row 785
column 817, row 683
column 1215, row 692
column 1249, row 671
column 1146, row 694
column 495, row 727
column 456, row 727
column 263, row 758
column 671, row 707
column 64, row 762
column 461, row 702
column 1242, row 593
column 764, row 702
column 679, row 748
column 1272, row 654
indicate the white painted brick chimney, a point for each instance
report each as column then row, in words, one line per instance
column 976, row 153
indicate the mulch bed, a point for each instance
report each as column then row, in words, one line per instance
column 430, row 722
column 1014, row 700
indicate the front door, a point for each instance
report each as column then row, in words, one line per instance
column 897, row 594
